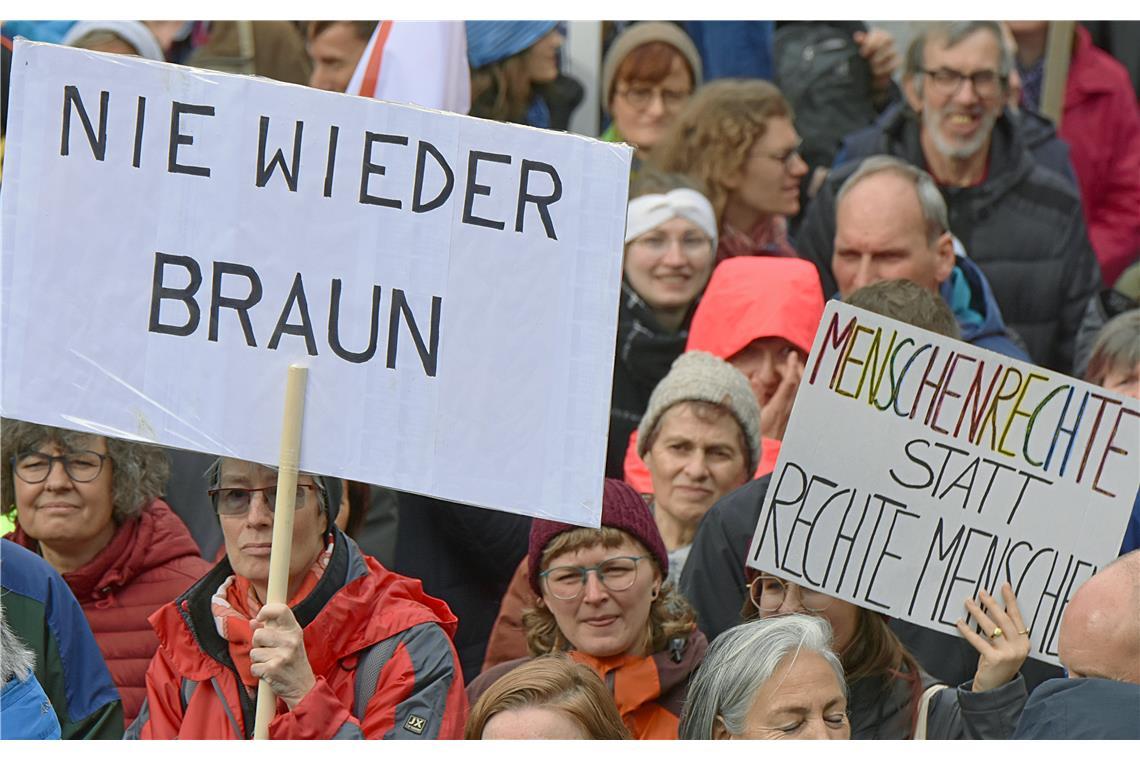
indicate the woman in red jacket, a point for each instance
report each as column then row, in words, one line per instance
column 89, row 505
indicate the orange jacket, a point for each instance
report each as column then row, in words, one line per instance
column 357, row 603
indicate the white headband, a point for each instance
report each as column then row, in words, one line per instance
column 649, row 211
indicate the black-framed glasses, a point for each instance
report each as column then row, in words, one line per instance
column 567, row 581
column 948, row 81
column 233, row 502
column 81, row 466
column 789, row 157
column 768, row 593
column 640, row 97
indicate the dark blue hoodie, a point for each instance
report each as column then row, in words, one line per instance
column 968, row 294
column 1081, row 708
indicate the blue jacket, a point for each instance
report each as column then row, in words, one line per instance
column 968, row 293
column 1132, row 532
column 25, row 711
column 41, row 610
column 1081, row 708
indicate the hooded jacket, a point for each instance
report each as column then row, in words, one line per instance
column 649, row 691
column 1022, row 226
column 1101, row 123
column 356, row 604
column 150, row 560
column 748, row 298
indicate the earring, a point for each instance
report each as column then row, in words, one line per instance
column 653, row 594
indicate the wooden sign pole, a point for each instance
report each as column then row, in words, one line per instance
column 1058, row 54
column 283, row 512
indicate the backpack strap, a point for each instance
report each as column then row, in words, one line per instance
column 368, row 666
column 924, row 709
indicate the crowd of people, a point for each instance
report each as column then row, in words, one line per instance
column 135, row 578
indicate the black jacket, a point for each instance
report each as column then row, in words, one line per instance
column 1022, row 226
column 713, row 582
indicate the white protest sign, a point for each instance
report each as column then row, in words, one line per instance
column 917, row 470
column 174, row 238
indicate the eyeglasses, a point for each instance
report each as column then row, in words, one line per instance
column 657, row 243
column 768, row 593
column 789, row 157
column 567, row 581
column 80, row 466
column 233, row 502
column 641, row 97
column 949, row 81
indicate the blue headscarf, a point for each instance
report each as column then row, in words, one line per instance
column 491, row 41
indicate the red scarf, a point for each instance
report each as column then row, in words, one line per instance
column 768, row 238
column 235, row 604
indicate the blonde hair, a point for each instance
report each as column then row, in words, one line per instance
column 553, row 682
column 712, row 137
column 670, row 615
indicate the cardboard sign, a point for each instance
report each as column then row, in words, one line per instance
column 174, row 238
column 917, row 470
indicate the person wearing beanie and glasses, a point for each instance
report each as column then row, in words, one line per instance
column 602, row 598
column 648, row 74
column 347, row 616
column 700, row 438
column 509, row 59
column 670, row 237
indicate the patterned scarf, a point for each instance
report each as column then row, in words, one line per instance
column 768, row 238
column 235, row 604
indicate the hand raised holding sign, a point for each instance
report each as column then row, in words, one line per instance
column 1006, row 645
column 278, row 654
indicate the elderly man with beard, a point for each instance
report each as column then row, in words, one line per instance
column 1020, row 222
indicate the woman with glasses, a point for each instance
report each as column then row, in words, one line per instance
column 602, row 600
column 736, row 136
column 891, row 696
column 769, row 679
column 90, row 506
column 357, row 652
column 648, row 74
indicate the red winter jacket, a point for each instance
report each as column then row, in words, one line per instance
column 150, row 561
column 1101, row 124
column 356, row 604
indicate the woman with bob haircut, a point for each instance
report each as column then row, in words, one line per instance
column 736, row 136
column 602, row 600
column 769, row 679
column 550, row 697
column 90, row 506
column 509, row 61
column 891, row 696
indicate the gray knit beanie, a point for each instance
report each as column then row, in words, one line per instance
column 639, row 34
column 700, row 376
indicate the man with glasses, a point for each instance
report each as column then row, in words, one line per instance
column 1020, row 222
column 358, row 651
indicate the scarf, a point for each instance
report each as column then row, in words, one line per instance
column 636, row 683
column 768, row 238
column 235, row 604
column 644, row 349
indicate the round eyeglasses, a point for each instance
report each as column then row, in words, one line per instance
column 81, row 466
column 768, row 593
column 567, row 581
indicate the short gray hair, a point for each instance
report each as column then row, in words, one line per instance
column 740, row 661
column 954, row 32
column 930, row 199
column 16, row 659
column 1117, row 347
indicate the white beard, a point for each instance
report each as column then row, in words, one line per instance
column 956, row 149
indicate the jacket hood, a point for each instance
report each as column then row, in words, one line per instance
column 154, row 538
column 356, row 603
column 1081, row 708
column 755, row 297
column 982, row 302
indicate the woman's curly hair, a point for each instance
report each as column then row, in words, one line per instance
column 670, row 615
column 138, row 471
column 712, row 137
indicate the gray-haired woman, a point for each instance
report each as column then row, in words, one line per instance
column 776, row 678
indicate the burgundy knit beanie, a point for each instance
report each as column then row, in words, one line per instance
column 622, row 508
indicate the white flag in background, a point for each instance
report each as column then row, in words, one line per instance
column 419, row 62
